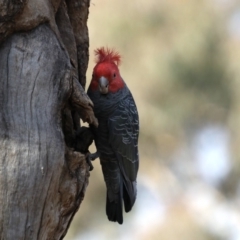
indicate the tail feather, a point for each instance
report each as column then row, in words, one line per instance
column 124, row 191
column 129, row 194
column 114, row 210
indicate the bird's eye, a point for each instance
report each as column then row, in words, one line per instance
column 114, row 75
column 92, row 75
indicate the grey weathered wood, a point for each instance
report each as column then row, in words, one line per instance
column 42, row 177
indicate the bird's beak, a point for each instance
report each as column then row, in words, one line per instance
column 103, row 85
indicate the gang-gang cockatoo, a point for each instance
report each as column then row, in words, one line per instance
column 116, row 137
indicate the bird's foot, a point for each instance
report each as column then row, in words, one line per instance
column 91, row 157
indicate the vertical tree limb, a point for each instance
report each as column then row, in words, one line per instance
column 42, row 177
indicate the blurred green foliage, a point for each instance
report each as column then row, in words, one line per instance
column 181, row 63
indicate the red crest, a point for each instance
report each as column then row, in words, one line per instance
column 107, row 55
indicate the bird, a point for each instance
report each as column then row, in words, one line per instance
column 116, row 137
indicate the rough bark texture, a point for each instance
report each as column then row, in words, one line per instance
column 43, row 172
column 78, row 14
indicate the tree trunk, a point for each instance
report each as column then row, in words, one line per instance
column 43, row 176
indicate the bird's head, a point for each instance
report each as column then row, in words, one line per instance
column 106, row 77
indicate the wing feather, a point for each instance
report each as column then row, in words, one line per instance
column 123, row 136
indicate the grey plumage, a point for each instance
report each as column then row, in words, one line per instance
column 116, row 139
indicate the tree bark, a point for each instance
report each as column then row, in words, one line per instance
column 43, row 174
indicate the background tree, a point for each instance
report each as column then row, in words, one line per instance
column 43, row 61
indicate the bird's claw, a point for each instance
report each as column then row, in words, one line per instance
column 89, row 161
column 91, row 157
